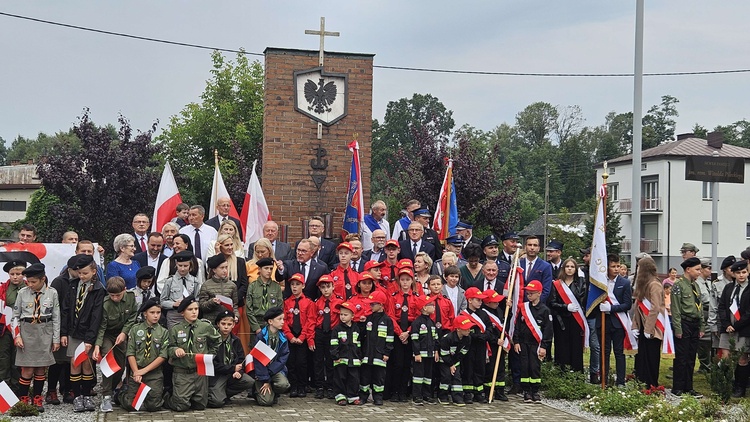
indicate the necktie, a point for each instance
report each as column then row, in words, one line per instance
column 355, row 264
column 438, row 317
column 223, row 219
column 347, row 284
column 264, row 298
column 147, row 352
column 227, row 351
column 272, row 341
column 145, row 295
column 489, row 285
column 184, row 287
column 302, row 269
column 736, row 294
column 393, row 273
column 190, row 339
column 697, row 298
column 37, row 307
column 529, row 266
column 296, row 320
column 327, row 317
column 404, row 321
column 197, row 244
column 143, row 244
column 79, row 300
column 414, row 250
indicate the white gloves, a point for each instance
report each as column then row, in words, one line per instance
column 647, row 335
column 635, row 333
column 605, row 307
column 572, row 307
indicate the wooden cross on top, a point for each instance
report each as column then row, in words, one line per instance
column 322, row 33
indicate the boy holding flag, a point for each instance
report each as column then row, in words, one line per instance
column 229, row 375
column 270, row 354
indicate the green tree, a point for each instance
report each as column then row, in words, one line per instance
column 737, row 133
column 42, row 214
column 229, row 119
column 659, row 123
column 25, row 149
column 3, row 152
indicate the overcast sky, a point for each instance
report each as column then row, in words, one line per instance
column 48, row 74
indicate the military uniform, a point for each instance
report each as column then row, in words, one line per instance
column 146, row 343
column 117, row 317
column 190, row 390
column 260, row 297
column 688, row 322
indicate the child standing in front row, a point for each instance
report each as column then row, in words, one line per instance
column 327, row 317
column 346, row 353
column 453, row 347
column 423, row 340
column 532, row 338
column 377, row 345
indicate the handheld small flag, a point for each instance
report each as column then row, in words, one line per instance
column 226, row 302
column 140, row 396
column 8, row 398
column 735, row 309
column 205, row 364
column 109, row 365
column 262, row 353
column 249, row 364
column 80, row 355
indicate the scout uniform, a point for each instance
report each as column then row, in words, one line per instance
column 142, row 295
column 327, row 317
column 275, row 372
column 377, row 341
column 189, row 390
column 176, row 288
column 9, row 372
column 299, row 320
column 688, row 323
column 146, row 344
column 423, row 343
column 222, row 386
column 213, row 287
column 346, row 353
column 261, row 296
column 117, row 317
column 453, row 349
column 531, row 318
column 734, row 302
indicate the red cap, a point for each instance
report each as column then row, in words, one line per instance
column 325, row 278
column 348, row 305
column 463, row 322
column 474, row 293
column 378, row 296
column 392, row 242
column 533, row 286
column 298, row 277
column 366, row 276
column 405, row 263
column 345, row 245
column 373, row 264
column 491, row 296
column 406, row 271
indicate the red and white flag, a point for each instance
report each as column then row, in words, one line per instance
column 219, row 190
column 140, row 396
column 80, row 354
column 735, row 309
column 249, row 364
column 499, row 325
column 7, row 315
column 262, row 353
column 254, row 210
column 109, row 365
column 167, row 199
column 205, row 364
column 7, row 397
column 476, row 320
column 226, row 302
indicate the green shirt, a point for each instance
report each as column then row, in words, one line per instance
column 138, row 343
column 117, row 317
column 205, row 340
column 686, row 303
column 255, row 304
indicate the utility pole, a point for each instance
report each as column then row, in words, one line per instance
column 635, row 229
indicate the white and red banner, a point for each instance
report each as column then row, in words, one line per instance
column 263, row 353
column 219, row 190
column 54, row 256
column 80, row 354
column 662, row 323
column 140, row 396
column 568, row 297
column 249, row 363
column 167, row 200
column 254, row 210
column 205, row 364
column 226, row 302
column 499, row 325
column 7, row 397
column 630, row 343
column 109, row 365
column 475, row 319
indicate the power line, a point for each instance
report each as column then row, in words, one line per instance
column 404, row 68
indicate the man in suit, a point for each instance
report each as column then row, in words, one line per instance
column 305, row 265
column 200, row 234
column 358, row 261
column 422, row 216
column 281, row 250
column 554, row 253
column 375, row 220
column 510, row 246
column 466, row 231
column 153, row 256
column 223, row 206
column 377, row 252
column 415, row 243
column 140, row 232
column 619, row 288
column 326, row 250
column 535, row 268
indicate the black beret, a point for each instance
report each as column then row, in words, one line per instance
column 145, row 306
column 145, row 272
column 215, row 261
column 272, row 313
column 83, row 261
column 690, row 262
column 72, row 260
column 34, row 270
column 13, row 264
column 223, row 314
column 186, row 302
column 728, row 261
column 264, row 262
column 739, row 265
column 183, row 256
column 745, row 254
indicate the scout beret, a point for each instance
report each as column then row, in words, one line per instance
column 728, row 261
column 183, row 256
column 186, row 302
column 34, row 270
column 264, row 262
column 739, row 265
column 223, row 314
column 690, row 262
column 145, row 306
column 72, row 261
column 13, row 264
column 745, row 254
column 83, row 261
column 215, row 261
column 272, row 313
column 145, row 272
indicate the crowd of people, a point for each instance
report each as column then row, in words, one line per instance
column 384, row 315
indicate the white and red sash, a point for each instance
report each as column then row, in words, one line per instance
column 528, row 317
column 630, row 342
column 662, row 323
column 499, row 325
column 568, row 297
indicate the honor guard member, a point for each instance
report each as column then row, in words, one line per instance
column 689, row 326
column 424, row 339
column 190, row 337
column 147, row 350
column 553, row 252
column 229, row 369
column 453, row 348
column 8, row 292
column 465, row 230
column 262, row 295
column 532, row 338
column 734, row 317
column 510, row 245
column 490, row 251
column 377, row 345
column 717, row 288
column 453, row 244
column 422, row 216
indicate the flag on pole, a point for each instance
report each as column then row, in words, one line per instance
column 219, row 190
column 263, row 353
column 80, row 354
column 140, row 396
column 446, row 211
column 205, row 364
column 109, row 365
column 598, row 264
column 249, row 363
column 167, row 199
column 354, row 214
column 8, row 398
column 254, row 210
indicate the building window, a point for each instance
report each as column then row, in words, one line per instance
column 706, row 232
column 613, row 191
column 651, row 194
column 708, row 191
column 611, row 170
column 747, row 231
column 13, row 206
column 644, row 166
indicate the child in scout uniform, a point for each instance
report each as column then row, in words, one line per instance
column 377, row 345
column 492, row 300
column 271, row 380
column 453, row 347
column 532, row 338
column 179, row 286
column 144, row 286
column 218, row 284
column 403, row 311
column 734, row 302
column 262, row 295
column 37, row 310
column 298, row 329
column 118, row 317
column 147, row 350
column 327, row 317
column 59, row 373
column 423, row 341
column 8, row 292
column 346, row 353
column 81, row 317
column 230, row 377
column 186, row 339
column 343, row 276
column 474, row 363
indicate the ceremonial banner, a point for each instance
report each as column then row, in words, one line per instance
column 446, row 211
column 354, row 214
column 167, row 199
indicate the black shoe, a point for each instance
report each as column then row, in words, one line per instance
column 302, row 392
column 330, row 395
column 527, row 398
column 395, row 398
column 428, row 400
column 594, row 379
column 403, row 398
column 677, row 392
column 418, row 402
column 501, row 396
column 738, row 392
column 294, row 392
column 468, row 398
column 377, row 402
column 320, row 393
column 698, row 395
column 536, row 398
column 68, row 397
column 481, row 398
column 275, row 399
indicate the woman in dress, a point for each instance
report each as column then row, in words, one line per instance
column 569, row 335
column 471, row 273
column 123, row 265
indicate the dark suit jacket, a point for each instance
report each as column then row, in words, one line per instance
column 283, row 251
column 215, row 223
column 624, row 295
column 327, row 253
column 142, row 258
column 541, row 272
column 477, row 242
column 291, row 267
column 406, row 252
column 725, row 301
column 138, row 242
column 361, row 265
column 367, row 255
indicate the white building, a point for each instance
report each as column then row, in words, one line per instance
column 675, row 210
column 17, row 183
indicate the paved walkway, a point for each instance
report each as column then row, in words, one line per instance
column 310, row 409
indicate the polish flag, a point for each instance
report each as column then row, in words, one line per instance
column 205, row 364
column 735, row 309
column 226, row 302
column 262, row 353
column 249, row 364
column 254, row 210
column 167, row 199
column 80, row 355
column 219, row 190
column 140, row 396
column 109, row 365
column 7, row 398
column 7, row 314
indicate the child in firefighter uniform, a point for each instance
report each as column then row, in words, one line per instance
column 453, row 348
column 346, row 354
column 424, row 346
column 532, row 338
column 474, row 363
column 377, row 344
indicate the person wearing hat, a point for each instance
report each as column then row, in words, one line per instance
column 326, row 317
column 403, row 310
column 37, row 313
column 8, row 293
column 144, row 285
column 218, row 289
column 473, row 365
column 298, row 329
column 453, row 246
column 365, row 286
column 583, row 269
column 734, row 324
column 168, row 268
column 374, row 269
column 343, row 276
column 688, row 250
column 59, row 373
column 424, row 339
column 148, row 349
column 465, row 230
column 510, row 246
column 717, row 287
column 190, row 337
column 553, row 252
column 532, row 338
column 118, row 316
column 491, row 306
column 416, row 243
column 229, row 370
column 389, row 270
column 179, row 286
column 346, row 353
column 689, row 326
column 402, row 224
column 81, row 316
column 271, row 380
column 422, row 216
column 453, row 348
column 262, row 295
column 490, row 249
column 377, row 345
column 704, row 346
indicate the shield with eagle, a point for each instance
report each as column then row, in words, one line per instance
column 320, row 95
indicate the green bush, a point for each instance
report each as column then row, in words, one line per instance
column 624, row 401
column 23, row 409
column 558, row 384
column 722, row 375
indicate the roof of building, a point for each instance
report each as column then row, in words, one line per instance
column 19, row 177
column 683, row 148
column 570, row 222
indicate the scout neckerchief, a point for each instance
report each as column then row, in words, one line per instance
column 567, row 296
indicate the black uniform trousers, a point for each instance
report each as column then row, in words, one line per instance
column 450, row 382
column 472, row 368
column 346, row 382
column 647, row 360
column 323, row 364
column 371, row 375
column 489, row 369
column 568, row 343
column 685, row 350
column 531, row 367
column 298, row 364
column 422, row 379
column 398, row 371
